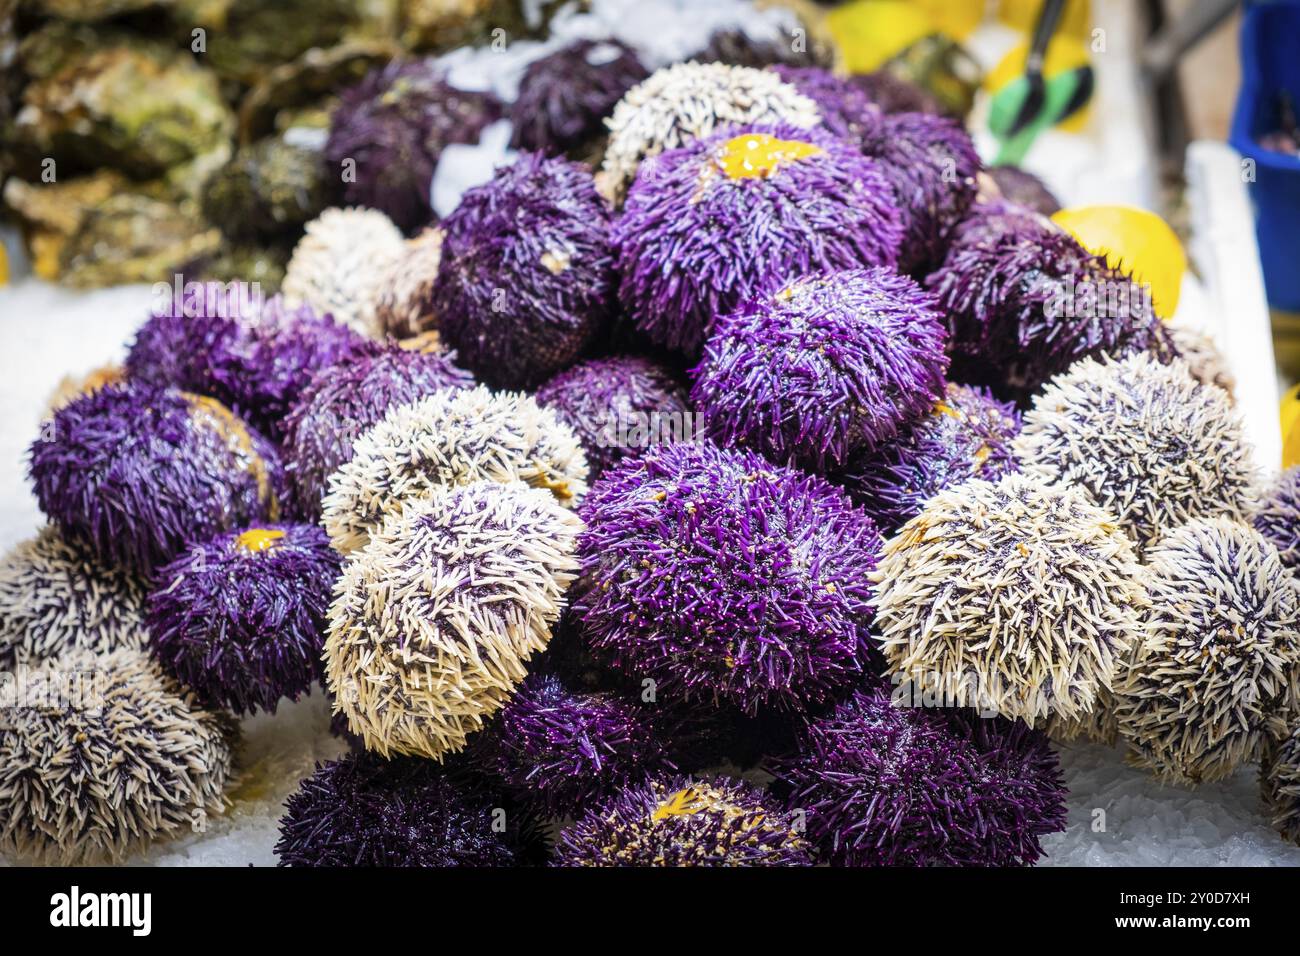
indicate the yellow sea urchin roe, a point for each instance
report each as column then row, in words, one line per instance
column 255, row 540
column 754, row 155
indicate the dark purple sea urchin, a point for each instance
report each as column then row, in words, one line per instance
column 888, row 785
column 560, row 749
column 1025, row 301
column 739, row 579
column 894, row 94
column 931, row 165
column 618, row 406
column 393, row 126
column 342, row 402
column 366, row 810
column 260, row 370
column 1278, row 517
column 526, row 278
column 834, row 363
column 738, row 213
column 966, row 435
column 240, row 619
column 845, row 109
column 564, row 97
column 137, row 472
column 1024, row 188
column 680, row 821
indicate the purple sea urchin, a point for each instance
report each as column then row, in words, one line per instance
column 1280, row 784
column 565, row 97
column 833, row 364
column 340, row 263
column 618, row 406
column 56, row 597
column 1019, row 597
column 688, row 101
column 136, row 472
column 845, row 109
column 894, row 94
column 1146, row 441
column 1024, row 189
column 393, row 127
column 739, row 213
column 101, row 755
column 173, row 345
column 260, row 369
column 888, row 785
column 681, row 821
column 740, row 579
column 342, row 402
column 560, row 749
column 450, row 438
column 526, row 278
column 966, row 435
column 931, row 165
column 1218, row 669
column 240, row 619
column 1025, row 301
column 365, row 810
column 433, row 622
column 739, row 47
column 1278, row 517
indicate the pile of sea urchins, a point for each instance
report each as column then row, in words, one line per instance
column 765, row 444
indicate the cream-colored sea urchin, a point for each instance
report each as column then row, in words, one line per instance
column 1147, row 441
column 56, row 596
column 1011, row 595
column 339, row 265
column 403, row 307
column 452, row 437
column 1219, row 662
column 1280, row 784
column 433, row 621
column 686, row 101
column 1203, row 357
column 101, row 755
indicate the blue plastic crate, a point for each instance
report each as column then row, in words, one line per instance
column 1270, row 64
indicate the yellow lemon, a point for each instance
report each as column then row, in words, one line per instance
column 1291, row 428
column 870, row 32
column 1135, row 240
column 4, row 265
column 1063, row 54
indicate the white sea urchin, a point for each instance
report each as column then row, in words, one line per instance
column 452, row 437
column 1219, row 663
column 1146, row 441
column 687, row 101
column 433, row 621
column 338, row 266
column 101, row 755
column 1015, row 596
